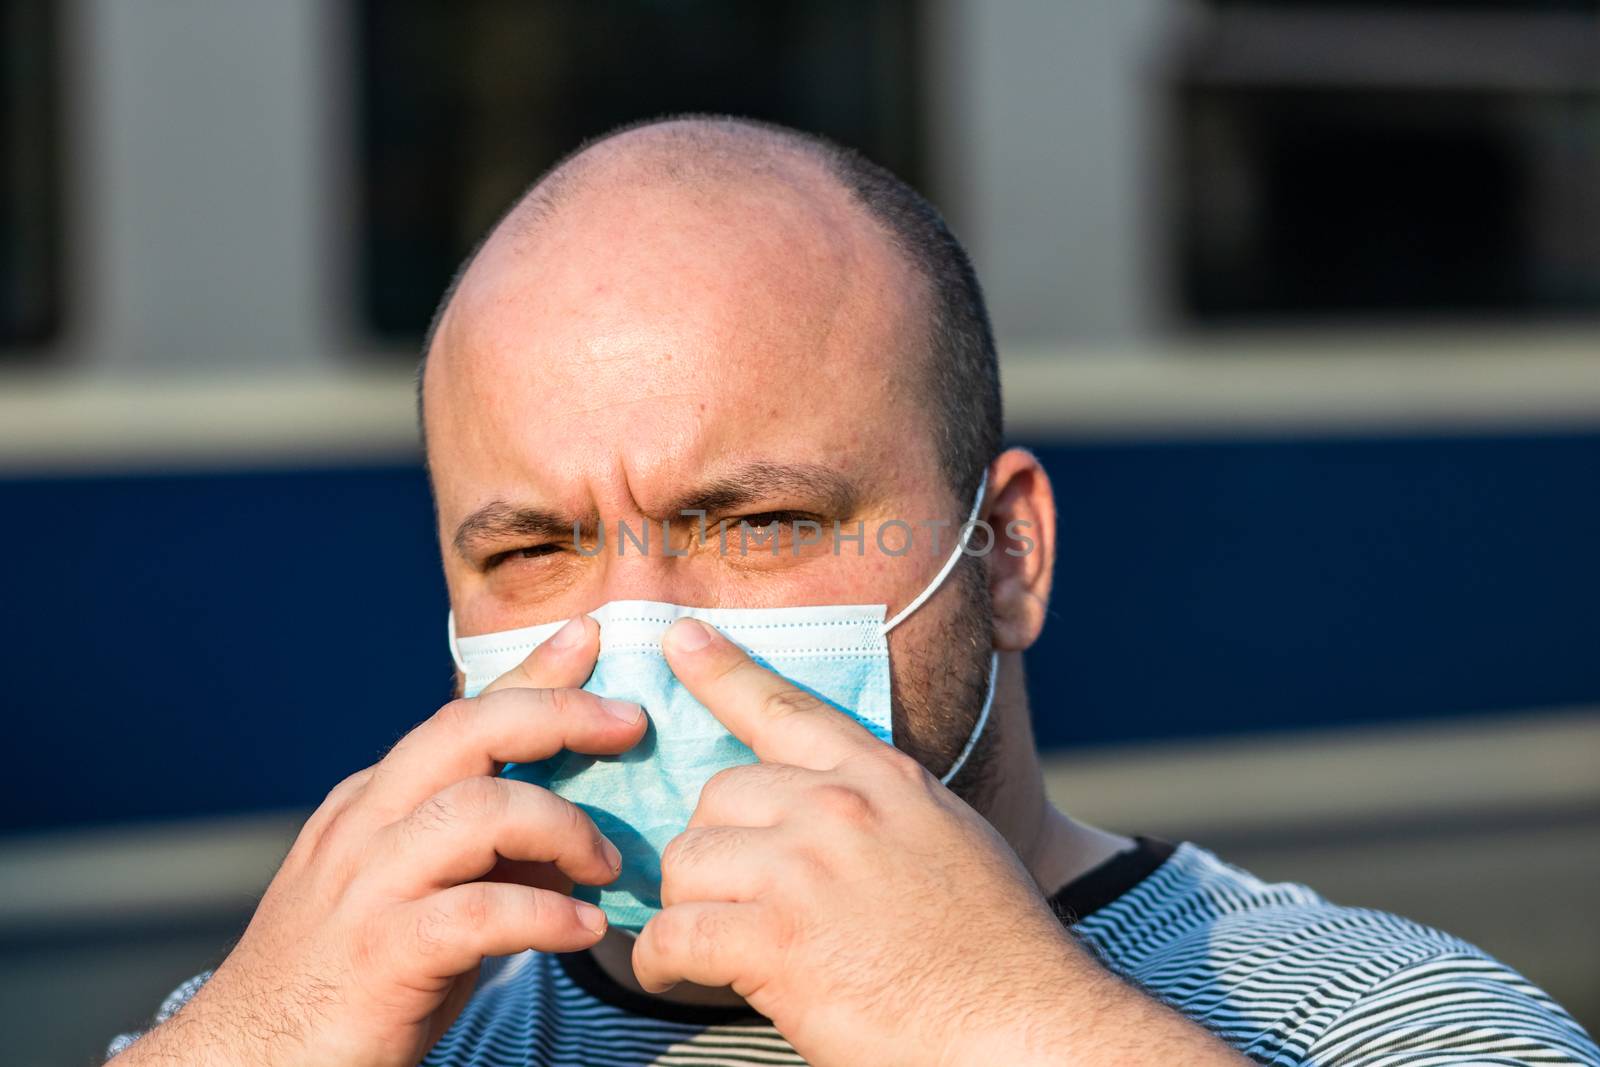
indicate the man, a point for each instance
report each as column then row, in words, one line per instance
column 733, row 321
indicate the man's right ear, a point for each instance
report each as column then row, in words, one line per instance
column 1022, row 511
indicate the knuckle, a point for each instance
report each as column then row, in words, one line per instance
column 480, row 796
column 806, row 866
column 476, row 906
column 312, row 840
column 432, row 932
column 672, row 855
column 568, row 704
column 731, row 668
column 571, row 821
column 705, row 934
column 901, row 766
column 346, row 789
column 339, row 800
column 385, row 764
column 717, row 789
column 720, row 782
column 456, row 717
column 681, row 851
column 536, row 911
column 783, row 702
column 841, row 803
column 665, row 937
column 305, row 846
column 469, row 800
column 513, row 701
column 434, row 814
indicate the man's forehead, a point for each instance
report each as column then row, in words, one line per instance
column 648, row 321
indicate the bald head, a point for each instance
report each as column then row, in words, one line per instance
column 842, row 199
column 704, row 155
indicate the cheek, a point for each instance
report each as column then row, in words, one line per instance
column 939, row 659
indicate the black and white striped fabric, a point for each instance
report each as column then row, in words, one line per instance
column 1274, row 969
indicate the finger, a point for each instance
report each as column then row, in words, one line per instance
column 752, row 794
column 459, row 834
column 780, row 723
column 709, row 944
column 564, row 661
column 477, row 736
column 339, row 798
column 718, row 863
column 452, row 931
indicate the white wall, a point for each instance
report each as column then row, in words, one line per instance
column 1046, row 131
column 198, row 180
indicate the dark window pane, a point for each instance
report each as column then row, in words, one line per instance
column 1419, row 173
column 464, row 104
column 1393, row 6
column 30, row 229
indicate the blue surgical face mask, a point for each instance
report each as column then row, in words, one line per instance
column 643, row 798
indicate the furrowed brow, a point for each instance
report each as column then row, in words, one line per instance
column 499, row 522
column 824, row 487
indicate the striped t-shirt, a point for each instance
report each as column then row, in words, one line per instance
column 1274, row 969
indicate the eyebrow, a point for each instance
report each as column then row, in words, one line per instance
column 822, row 487
column 499, row 521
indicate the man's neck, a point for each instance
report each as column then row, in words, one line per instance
column 1055, row 849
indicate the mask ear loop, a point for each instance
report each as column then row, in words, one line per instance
column 994, row 657
column 455, row 653
column 949, row 564
column 977, row 729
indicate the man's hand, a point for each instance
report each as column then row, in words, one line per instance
column 866, row 910
column 366, row 945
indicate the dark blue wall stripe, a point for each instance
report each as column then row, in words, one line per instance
column 160, row 632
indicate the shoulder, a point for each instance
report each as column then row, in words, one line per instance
column 1287, row 976
column 1455, row 1006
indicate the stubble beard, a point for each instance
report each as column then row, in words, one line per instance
column 938, row 692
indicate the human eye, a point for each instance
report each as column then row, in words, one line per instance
column 766, row 519
column 521, row 553
column 787, row 533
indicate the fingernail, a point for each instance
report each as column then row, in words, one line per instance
column 613, row 857
column 592, row 918
column 622, row 709
column 569, row 635
column 689, row 635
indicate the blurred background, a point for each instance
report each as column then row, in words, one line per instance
column 1299, row 301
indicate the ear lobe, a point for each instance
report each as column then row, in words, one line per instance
column 1022, row 562
column 1018, row 616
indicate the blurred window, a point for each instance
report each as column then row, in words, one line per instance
column 30, row 219
column 1522, row 6
column 1423, row 159
column 463, row 104
column 1424, row 5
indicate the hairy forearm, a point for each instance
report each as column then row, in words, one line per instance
column 1083, row 1014
column 1122, row 1024
column 176, row 1041
column 205, row 1034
